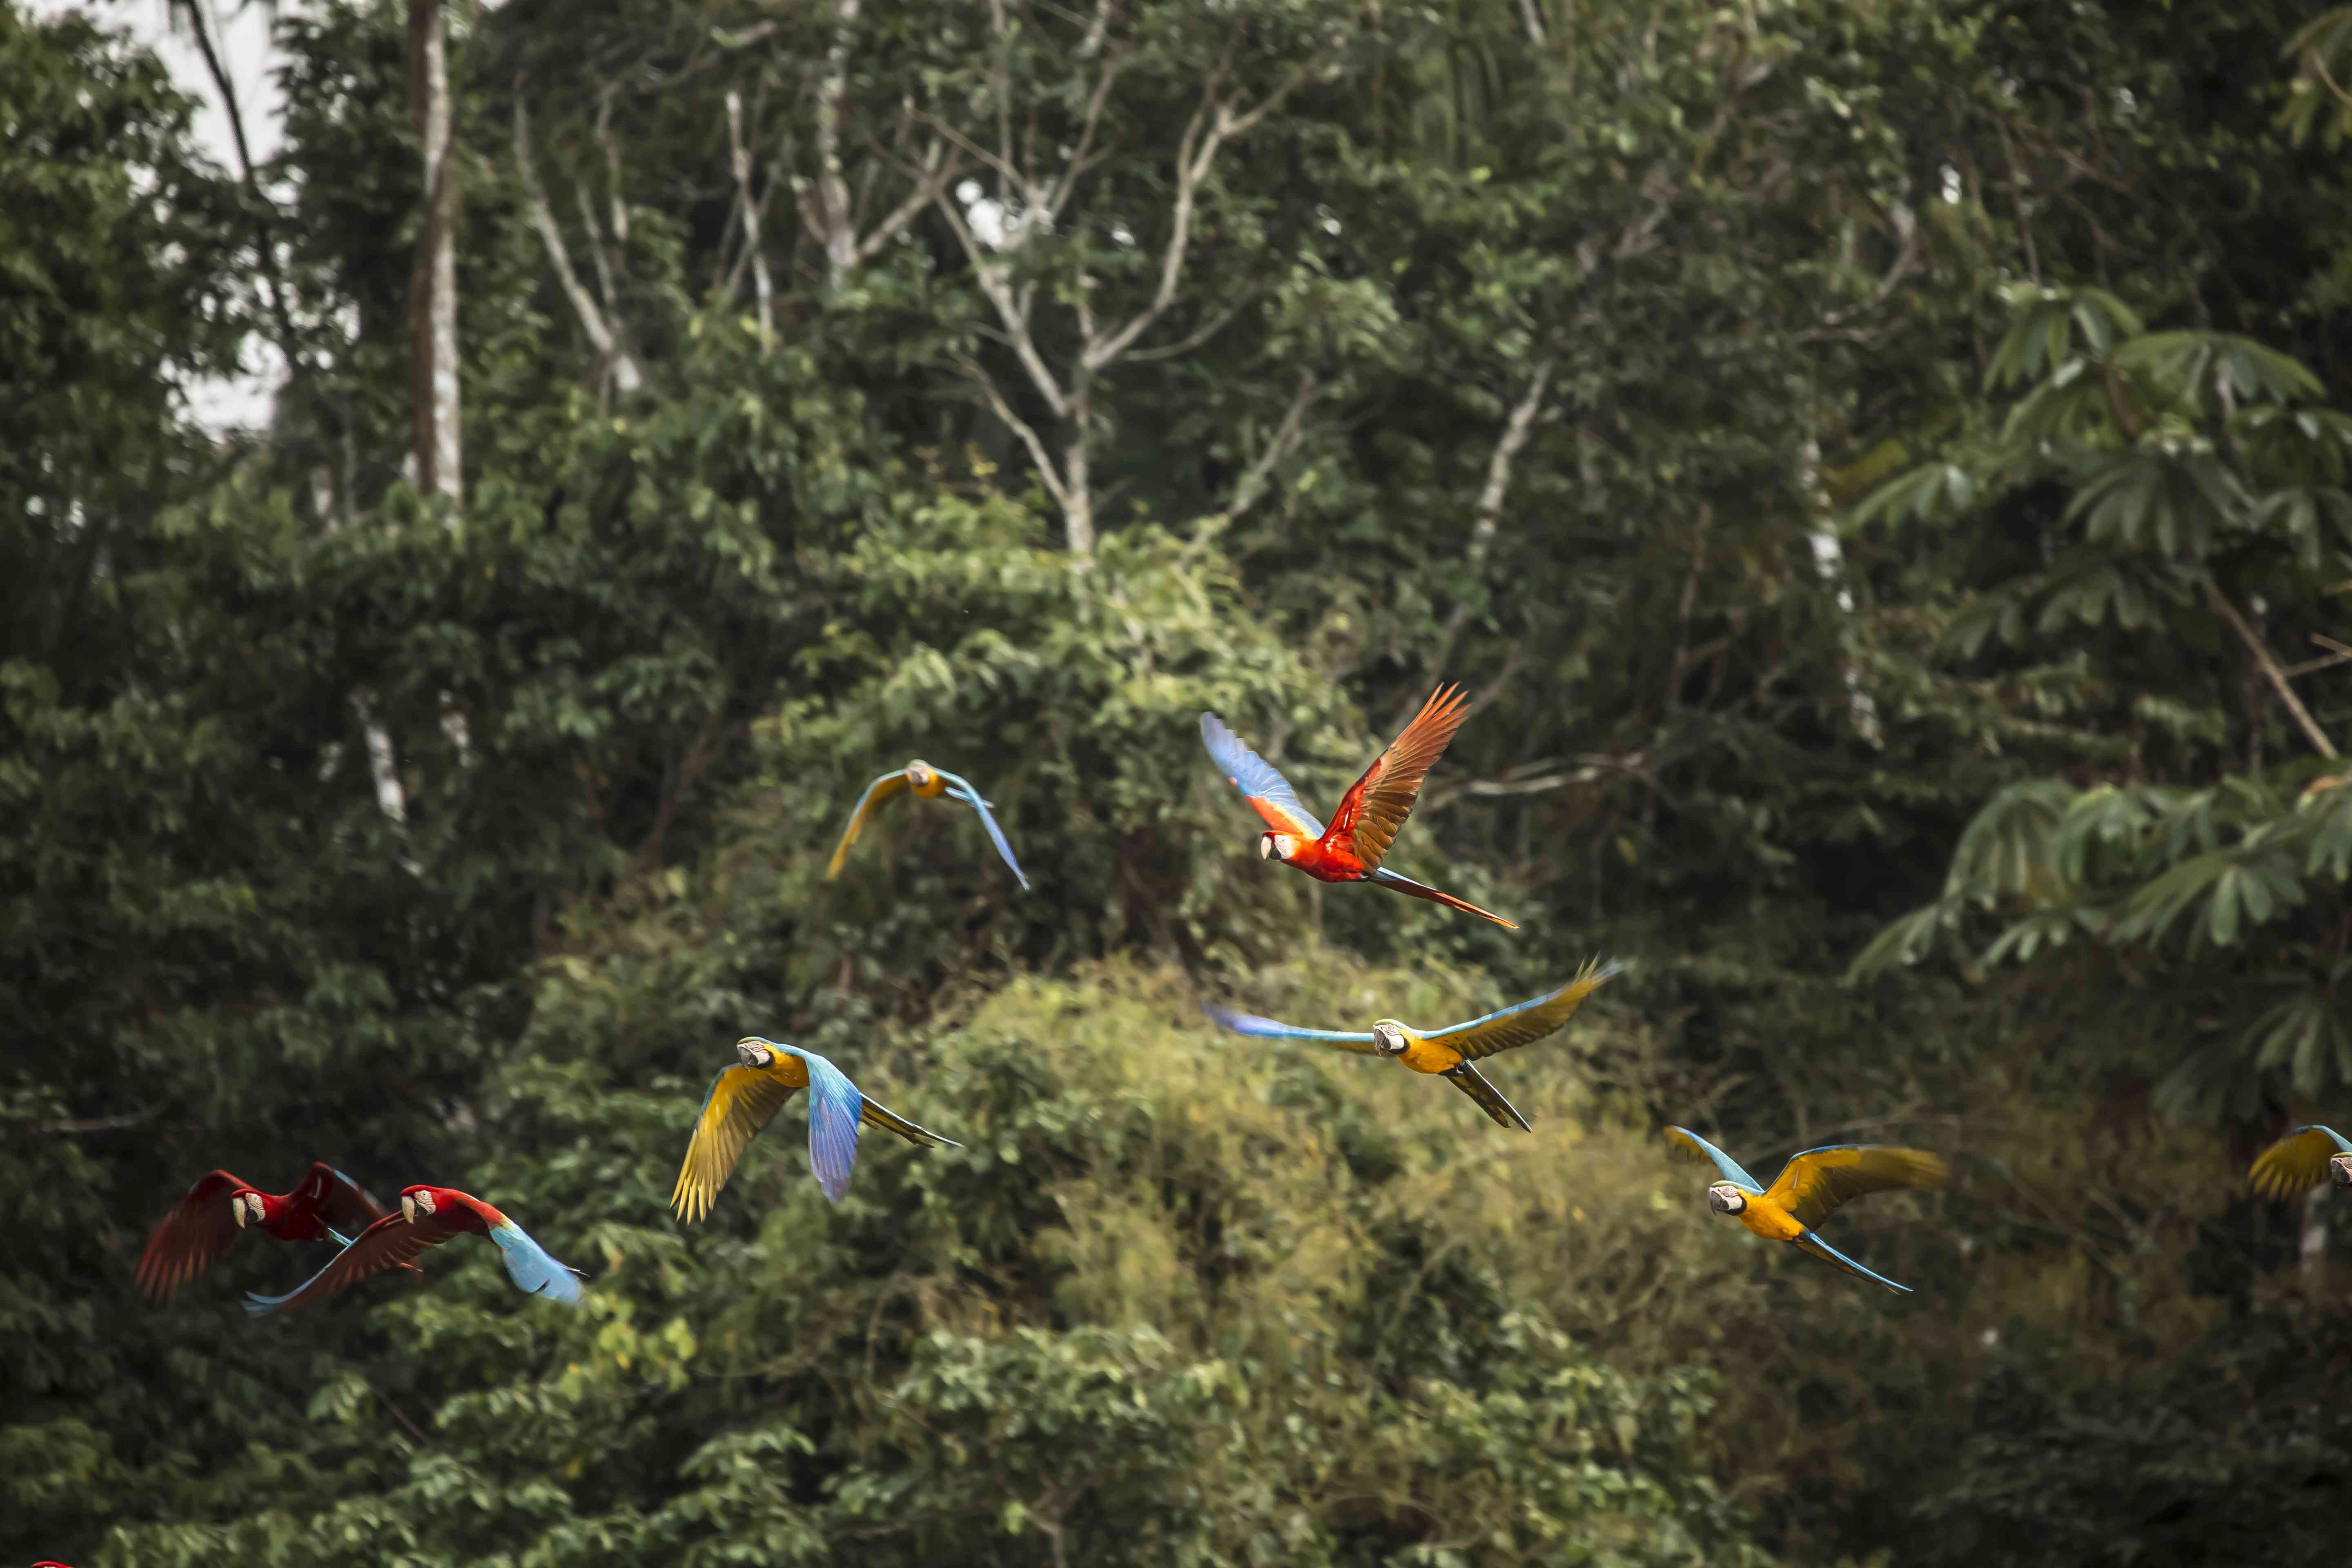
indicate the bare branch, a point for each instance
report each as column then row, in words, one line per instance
column 1256, row 478
column 1487, row 514
column 937, row 170
column 2269, row 666
column 834, row 225
column 77, row 1124
column 762, row 286
column 1533, row 20
column 607, row 342
column 1211, row 126
column 613, row 198
column 1012, row 310
column 1046, row 473
column 433, row 282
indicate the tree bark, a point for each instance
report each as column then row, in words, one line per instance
column 433, row 285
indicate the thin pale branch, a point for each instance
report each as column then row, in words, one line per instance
column 601, row 334
column 1046, row 473
column 740, row 152
column 1487, row 514
column 1255, row 478
column 2269, row 666
column 938, row 171
column 1012, row 310
column 832, row 190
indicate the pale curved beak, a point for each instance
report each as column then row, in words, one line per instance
column 408, row 1210
column 236, row 1207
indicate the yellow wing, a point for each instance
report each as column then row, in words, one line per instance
column 877, row 792
column 1486, row 1097
column 2296, row 1162
column 739, row 1103
column 1526, row 1022
column 1812, row 1184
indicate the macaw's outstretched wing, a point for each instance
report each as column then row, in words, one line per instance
column 529, row 1266
column 1822, row 1249
column 2298, row 1161
column 1267, row 1029
column 1376, row 804
column 341, row 1201
column 1268, row 792
column 1529, row 1021
column 191, row 1237
column 1686, row 1144
column 872, row 1113
column 877, row 792
column 835, row 1110
column 1488, row 1099
column 961, row 788
column 389, row 1243
column 740, row 1102
column 1813, row 1183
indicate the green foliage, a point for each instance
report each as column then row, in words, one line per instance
column 1757, row 408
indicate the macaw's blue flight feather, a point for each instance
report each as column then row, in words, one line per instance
column 529, row 1266
column 835, row 1109
column 1263, row 787
column 961, row 789
column 1689, row 1145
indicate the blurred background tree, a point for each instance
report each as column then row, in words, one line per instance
column 1875, row 468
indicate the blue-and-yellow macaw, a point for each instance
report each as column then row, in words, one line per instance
column 2301, row 1161
column 1808, row 1188
column 931, row 783
column 745, row 1098
column 1449, row 1052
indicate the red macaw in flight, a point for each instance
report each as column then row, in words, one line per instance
column 427, row 1218
column 1375, row 807
column 325, row 1205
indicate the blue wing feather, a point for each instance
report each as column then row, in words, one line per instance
column 1811, row 1242
column 260, row 1305
column 1731, row 1168
column 529, row 1266
column 1253, row 775
column 835, row 1109
column 1266, row 1028
column 961, row 788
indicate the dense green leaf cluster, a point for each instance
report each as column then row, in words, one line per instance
column 1869, row 464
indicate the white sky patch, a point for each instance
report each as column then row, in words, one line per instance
column 250, row 57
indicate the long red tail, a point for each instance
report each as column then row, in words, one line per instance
column 1388, row 879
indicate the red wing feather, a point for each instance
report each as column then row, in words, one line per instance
column 391, row 1242
column 1376, row 806
column 340, row 1201
column 191, row 1237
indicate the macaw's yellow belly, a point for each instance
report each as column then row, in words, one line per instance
column 1424, row 1056
column 1769, row 1220
column 789, row 1070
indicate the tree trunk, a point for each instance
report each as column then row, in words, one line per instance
column 433, row 286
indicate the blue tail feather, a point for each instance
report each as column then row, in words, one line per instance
column 530, row 1266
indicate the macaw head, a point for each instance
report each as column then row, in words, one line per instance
column 755, row 1053
column 924, row 779
column 1725, row 1198
column 249, row 1208
column 2339, row 1169
column 414, row 1200
column 1272, row 846
column 1389, row 1037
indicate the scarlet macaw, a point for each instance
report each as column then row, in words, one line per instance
column 2301, row 1161
column 1449, row 1052
column 741, row 1100
column 931, row 783
column 1808, row 1188
column 1370, row 813
column 428, row 1216
column 326, row 1204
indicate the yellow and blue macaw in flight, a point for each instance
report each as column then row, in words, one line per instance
column 929, row 783
column 1808, row 1188
column 2301, row 1161
column 745, row 1098
column 1449, row 1052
